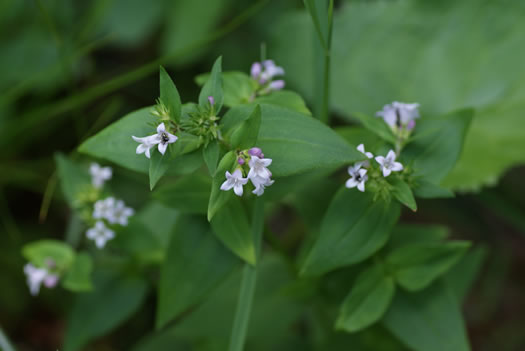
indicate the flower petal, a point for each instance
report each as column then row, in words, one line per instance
column 237, row 189
column 396, row 167
column 161, row 128
column 386, row 172
column 163, row 147
column 361, row 187
column 351, row 183
column 380, row 160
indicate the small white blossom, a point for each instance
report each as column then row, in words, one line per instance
column 388, row 164
column 399, row 114
column 162, row 139
column 100, row 234
column 361, row 149
column 258, row 169
column 358, row 177
column 260, row 186
column 235, row 181
column 35, row 277
column 99, row 174
column 104, row 208
column 120, row 213
column 265, row 72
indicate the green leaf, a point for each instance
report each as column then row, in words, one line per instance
column 232, row 227
column 377, row 126
column 211, row 154
column 286, row 99
column 219, row 198
column 189, row 194
column 89, row 318
column 465, row 272
column 239, row 88
column 186, row 276
column 353, row 228
column 368, row 300
column 169, row 95
column 74, row 178
column 437, row 144
column 38, row 252
column 408, row 234
column 158, row 166
column 213, row 87
column 114, row 143
column 245, row 135
column 318, row 10
column 416, row 266
column 78, row 277
column 429, row 320
column 403, row 193
column 428, row 190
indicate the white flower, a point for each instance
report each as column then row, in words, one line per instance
column 99, row 174
column 399, row 114
column 100, row 234
column 120, row 213
column 389, row 164
column 358, row 177
column 270, row 70
column 162, row 138
column 104, row 208
column 260, row 186
column 35, row 277
column 258, row 169
column 361, row 149
column 235, row 181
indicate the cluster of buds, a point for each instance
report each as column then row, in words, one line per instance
column 163, row 138
column 111, row 210
column 202, row 122
column 36, row 276
column 400, row 116
column 358, row 172
column 258, row 172
column 264, row 72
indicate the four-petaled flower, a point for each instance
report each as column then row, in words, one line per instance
column 104, row 208
column 235, row 181
column 388, row 164
column 120, row 213
column 361, row 149
column 259, row 173
column 99, row 174
column 265, row 72
column 100, row 234
column 162, row 139
column 399, row 114
column 358, row 177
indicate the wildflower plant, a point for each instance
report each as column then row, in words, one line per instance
column 217, row 169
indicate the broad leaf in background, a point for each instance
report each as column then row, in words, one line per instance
column 367, row 301
column 114, row 143
column 88, row 319
column 195, row 264
column 415, row 266
column 464, row 273
column 213, row 87
column 428, row 190
column 169, row 95
column 426, row 55
column 239, row 88
column 74, row 178
column 403, row 193
column 189, row 194
column 285, row 99
column 409, row 234
column 232, row 227
column 245, row 135
column 211, row 153
column 158, row 166
column 429, row 320
column 353, row 228
column 78, row 277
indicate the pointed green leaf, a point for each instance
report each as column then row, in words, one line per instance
column 38, row 252
column 429, row 320
column 245, row 135
column 318, row 10
column 186, row 276
column 353, row 228
column 368, row 300
column 286, row 99
column 428, row 190
column 213, row 87
column 403, row 193
column 189, row 194
column 377, row 126
column 415, row 266
column 158, row 166
column 74, row 178
column 239, row 88
column 78, row 277
column 231, row 226
column 211, row 154
column 169, row 95
column 218, row 197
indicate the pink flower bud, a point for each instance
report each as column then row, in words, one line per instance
column 51, row 281
column 255, row 151
column 411, row 124
column 241, row 161
column 256, row 70
column 211, row 100
column 277, row 84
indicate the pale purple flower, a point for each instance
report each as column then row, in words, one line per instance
column 100, row 234
column 120, row 213
column 256, row 70
column 399, row 114
column 358, row 178
column 260, row 184
column 241, row 161
column 276, row 85
column 162, row 139
column 235, row 181
column 99, row 174
column 266, row 71
column 258, row 168
column 361, row 149
column 388, row 164
column 211, row 100
column 51, row 280
column 255, row 151
column 35, row 277
column 146, row 143
column 104, row 208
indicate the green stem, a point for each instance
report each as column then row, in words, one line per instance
column 5, row 345
column 249, row 279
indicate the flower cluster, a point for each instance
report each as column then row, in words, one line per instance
column 399, row 115
column 258, row 173
column 36, row 276
column 113, row 211
column 358, row 172
column 264, row 72
column 163, row 138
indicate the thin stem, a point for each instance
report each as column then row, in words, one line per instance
column 248, row 283
column 5, row 345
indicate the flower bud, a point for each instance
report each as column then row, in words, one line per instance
column 411, row 124
column 255, row 151
column 211, row 100
column 256, row 70
column 277, row 84
column 241, row 161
